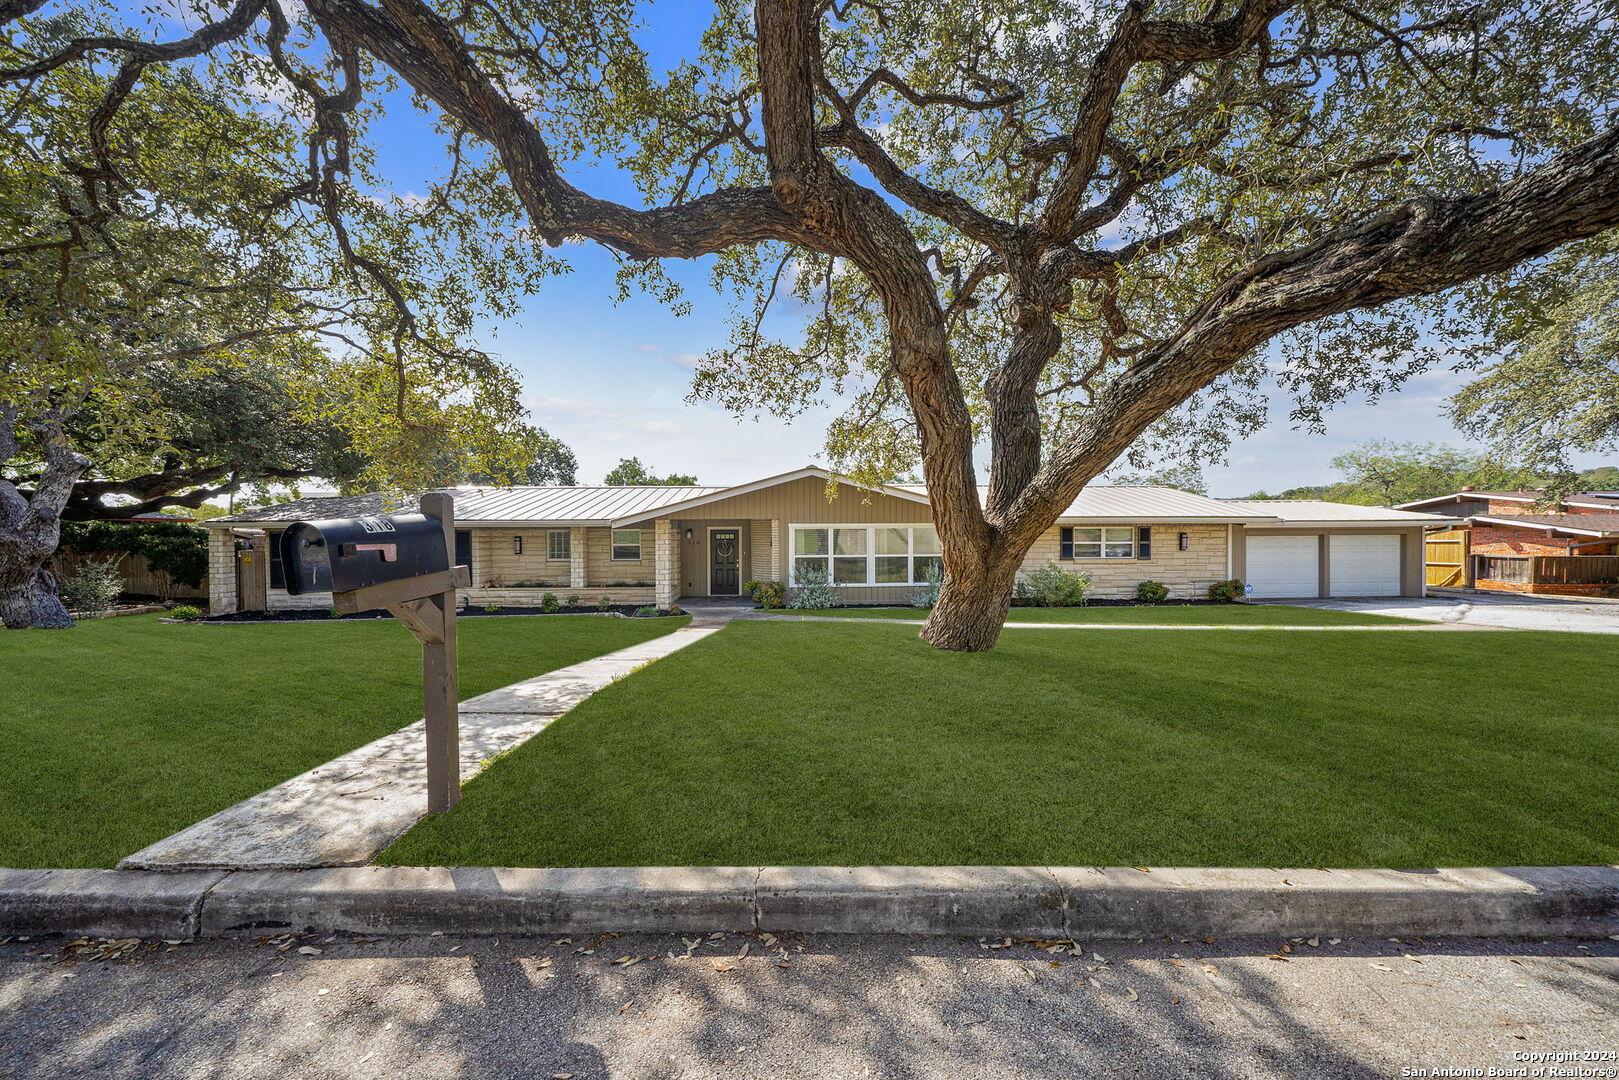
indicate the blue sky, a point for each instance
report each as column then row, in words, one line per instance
column 611, row 379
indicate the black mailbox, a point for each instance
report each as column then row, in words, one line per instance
column 350, row 553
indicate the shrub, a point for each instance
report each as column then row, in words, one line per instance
column 605, row 604
column 1226, row 592
column 333, row 613
column 185, row 612
column 549, row 604
column 491, row 608
column 645, row 612
column 571, row 602
column 95, row 587
column 767, row 594
column 675, row 609
column 928, row 595
column 1052, row 586
column 1152, row 592
column 812, row 588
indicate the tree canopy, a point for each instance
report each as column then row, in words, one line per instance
column 1556, row 389
column 629, row 472
column 1057, row 232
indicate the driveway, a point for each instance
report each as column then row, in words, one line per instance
column 758, row 1007
column 1490, row 609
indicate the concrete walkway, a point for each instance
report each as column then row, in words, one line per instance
column 345, row 811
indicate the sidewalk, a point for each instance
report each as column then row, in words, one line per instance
column 345, row 811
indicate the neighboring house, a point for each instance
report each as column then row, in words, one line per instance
column 654, row 545
column 1511, row 543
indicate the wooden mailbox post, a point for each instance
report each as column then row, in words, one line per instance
column 426, row 605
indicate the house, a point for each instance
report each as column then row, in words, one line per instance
column 654, row 545
column 1512, row 542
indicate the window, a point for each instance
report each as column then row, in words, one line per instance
column 1097, row 543
column 463, row 547
column 278, row 572
column 868, row 554
column 626, row 545
column 559, row 545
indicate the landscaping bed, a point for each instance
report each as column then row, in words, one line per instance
column 122, row 731
column 1190, row 613
column 470, row 612
column 779, row 743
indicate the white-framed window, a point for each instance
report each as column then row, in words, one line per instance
column 868, row 554
column 1098, row 543
column 559, row 545
column 626, row 545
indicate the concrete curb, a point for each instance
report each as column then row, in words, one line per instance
column 1019, row 901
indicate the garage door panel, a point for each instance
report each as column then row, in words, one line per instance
column 1364, row 565
column 1284, row 566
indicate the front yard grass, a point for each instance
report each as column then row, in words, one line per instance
column 826, row 743
column 121, row 731
column 1163, row 615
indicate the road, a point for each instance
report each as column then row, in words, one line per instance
column 900, row 1007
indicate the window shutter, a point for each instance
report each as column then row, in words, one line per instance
column 1144, row 542
column 1065, row 549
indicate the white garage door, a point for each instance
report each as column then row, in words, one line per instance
column 1364, row 565
column 1284, row 566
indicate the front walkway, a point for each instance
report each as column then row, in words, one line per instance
column 345, row 811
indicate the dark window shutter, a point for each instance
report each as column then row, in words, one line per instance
column 463, row 547
column 1144, row 542
column 278, row 573
column 1065, row 549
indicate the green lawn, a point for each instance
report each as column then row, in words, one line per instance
column 1167, row 615
column 121, row 731
column 825, row 743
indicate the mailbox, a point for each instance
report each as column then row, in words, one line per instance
column 344, row 554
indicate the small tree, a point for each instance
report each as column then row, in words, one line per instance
column 629, row 472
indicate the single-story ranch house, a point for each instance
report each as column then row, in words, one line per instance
column 654, row 545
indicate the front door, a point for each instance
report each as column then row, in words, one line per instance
column 724, row 548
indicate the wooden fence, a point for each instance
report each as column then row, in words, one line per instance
column 1446, row 554
column 139, row 579
column 1548, row 569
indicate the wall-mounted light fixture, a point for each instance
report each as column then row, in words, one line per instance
column 688, row 534
column 517, row 545
column 1184, row 539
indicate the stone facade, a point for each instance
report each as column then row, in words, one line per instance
column 1187, row 574
column 221, row 572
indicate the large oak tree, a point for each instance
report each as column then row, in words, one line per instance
column 1052, row 231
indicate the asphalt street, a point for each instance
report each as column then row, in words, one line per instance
column 657, row 1006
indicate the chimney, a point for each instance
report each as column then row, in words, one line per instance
column 1469, row 487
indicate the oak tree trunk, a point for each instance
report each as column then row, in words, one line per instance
column 972, row 605
column 31, row 526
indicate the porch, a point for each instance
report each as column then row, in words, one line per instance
column 1555, row 575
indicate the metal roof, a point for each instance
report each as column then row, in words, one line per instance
column 529, row 506
column 1145, row 503
column 1321, row 512
column 490, row 505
